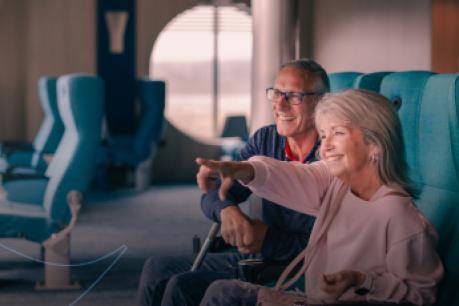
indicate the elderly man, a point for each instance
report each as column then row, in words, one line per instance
column 282, row 233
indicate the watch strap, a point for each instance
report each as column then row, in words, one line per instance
column 365, row 287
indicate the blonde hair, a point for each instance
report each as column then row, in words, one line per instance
column 375, row 116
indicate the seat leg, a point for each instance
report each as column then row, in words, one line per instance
column 57, row 277
column 57, row 251
column 142, row 175
column 42, row 253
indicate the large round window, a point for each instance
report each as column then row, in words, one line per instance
column 204, row 55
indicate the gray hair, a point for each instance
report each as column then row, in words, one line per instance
column 310, row 66
column 380, row 124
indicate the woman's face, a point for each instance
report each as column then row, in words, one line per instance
column 344, row 150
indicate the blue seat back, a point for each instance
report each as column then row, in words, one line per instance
column 340, row 81
column 344, row 80
column 370, row 81
column 80, row 101
column 405, row 90
column 235, row 126
column 52, row 128
column 152, row 97
column 438, row 166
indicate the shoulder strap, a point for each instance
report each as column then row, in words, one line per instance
column 323, row 221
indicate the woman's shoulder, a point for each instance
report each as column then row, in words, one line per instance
column 392, row 199
column 403, row 218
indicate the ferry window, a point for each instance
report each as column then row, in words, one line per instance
column 204, row 55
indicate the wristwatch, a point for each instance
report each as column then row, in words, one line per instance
column 365, row 287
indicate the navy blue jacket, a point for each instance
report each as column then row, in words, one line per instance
column 288, row 230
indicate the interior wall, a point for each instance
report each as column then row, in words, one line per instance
column 445, row 36
column 61, row 39
column 12, row 74
column 372, row 35
column 306, row 28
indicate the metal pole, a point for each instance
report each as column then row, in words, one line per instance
column 275, row 37
column 214, row 229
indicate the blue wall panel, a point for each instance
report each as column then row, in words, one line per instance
column 117, row 68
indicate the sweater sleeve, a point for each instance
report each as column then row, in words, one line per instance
column 413, row 272
column 294, row 185
column 211, row 205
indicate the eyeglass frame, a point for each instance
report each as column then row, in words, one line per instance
column 289, row 94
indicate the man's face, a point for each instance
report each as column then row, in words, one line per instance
column 294, row 120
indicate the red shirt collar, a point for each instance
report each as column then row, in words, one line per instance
column 311, row 156
column 288, row 152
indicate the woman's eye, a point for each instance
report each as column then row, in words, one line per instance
column 339, row 133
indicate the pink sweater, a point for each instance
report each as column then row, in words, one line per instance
column 386, row 237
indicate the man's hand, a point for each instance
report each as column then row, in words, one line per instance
column 239, row 230
column 227, row 171
column 259, row 230
column 335, row 284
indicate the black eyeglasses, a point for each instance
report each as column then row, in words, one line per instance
column 292, row 98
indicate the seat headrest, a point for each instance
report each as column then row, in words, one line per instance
column 52, row 128
column 405, row 89
column 370, row 81
column 76, row 109
column 342, row 80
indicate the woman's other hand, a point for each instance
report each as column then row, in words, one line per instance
column 335, row 284
column 227, row 171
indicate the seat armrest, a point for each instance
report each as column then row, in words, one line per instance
column 11, row 176
column 9, row 146
column 26, row 189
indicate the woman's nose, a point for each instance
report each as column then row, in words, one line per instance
column 327, row 143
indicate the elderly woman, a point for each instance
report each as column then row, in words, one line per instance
column 369, row 242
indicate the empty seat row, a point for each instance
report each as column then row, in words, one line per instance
column 14, row 154
column 35, row 207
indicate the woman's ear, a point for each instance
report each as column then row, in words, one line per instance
column 374, row 153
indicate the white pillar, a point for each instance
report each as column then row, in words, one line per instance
column 275, row 41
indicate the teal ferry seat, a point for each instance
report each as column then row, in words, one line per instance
column 370, row 81
column 136, row 151
column 234, row 136
column 30, row 156
column 438, row 167
column 35, row 208
column 340, row 81
column 405, row 90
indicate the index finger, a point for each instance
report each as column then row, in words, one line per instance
column 224, row 187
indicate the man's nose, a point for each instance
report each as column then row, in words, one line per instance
column 282, row 100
